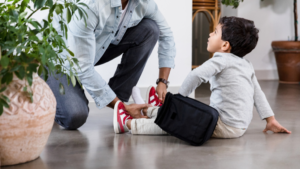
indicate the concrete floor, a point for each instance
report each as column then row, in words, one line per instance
column 96, row 146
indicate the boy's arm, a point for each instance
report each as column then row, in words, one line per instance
column 264, row 109
column 202, row 74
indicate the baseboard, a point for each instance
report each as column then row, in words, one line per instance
column 172, row 89
column 266, row 74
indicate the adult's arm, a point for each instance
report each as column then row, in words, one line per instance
column 81, row 40
column 166, row 48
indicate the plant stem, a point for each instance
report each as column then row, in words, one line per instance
column 33, row 13
column 296, row 20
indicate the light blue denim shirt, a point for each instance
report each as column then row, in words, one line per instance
column 90, row 42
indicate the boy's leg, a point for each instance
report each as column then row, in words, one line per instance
column 224, row 131
column 147, row 126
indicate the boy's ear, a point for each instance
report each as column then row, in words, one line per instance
column 226, row 47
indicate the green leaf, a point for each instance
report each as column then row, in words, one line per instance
column 58, row 9
column 69, row 15
column 68, row 79
column 39, row 3
column 83, row 4
column 66, row 31
column 46, row 23
column 40, row 70
column 3, row 71
column 51, row 13
column 6, row 98
column 79, row 82
column 49, row 3
column 80, row 13
column 4, row 103
column 21, row 73
column 32, row 67
column 70, row 52
column 3, row 89
column 25, row 89
column 73, row 80
column 4, row 62
column 23, row 15
column 29, row 79
column 61, row 89
column 23, row 6
column 7, row 78
column 15, row 68
column 44, row 8
column 1, row 109
column 45, row 72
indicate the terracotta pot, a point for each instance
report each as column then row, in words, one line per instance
column 25, row 127
column 287, row 55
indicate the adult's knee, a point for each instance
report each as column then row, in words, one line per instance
column 151, row 28
column 73, row 119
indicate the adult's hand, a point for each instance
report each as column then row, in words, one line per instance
column 273, row 125
column 161, row 88
column 161, row 91
column 135, row 110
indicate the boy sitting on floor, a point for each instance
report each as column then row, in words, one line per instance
column 234, row 86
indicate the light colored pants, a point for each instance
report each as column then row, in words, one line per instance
column 147, row 126
column 224, row 131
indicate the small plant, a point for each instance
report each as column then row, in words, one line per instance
column 27, row 46
column 236, row 3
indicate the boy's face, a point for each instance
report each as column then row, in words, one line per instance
column 215, row 42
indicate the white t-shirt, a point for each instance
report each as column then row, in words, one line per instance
column 123, row 14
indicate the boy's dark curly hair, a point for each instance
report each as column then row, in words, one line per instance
column 240, row 33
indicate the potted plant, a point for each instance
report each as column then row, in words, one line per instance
column 29, row 49
column 287, row 53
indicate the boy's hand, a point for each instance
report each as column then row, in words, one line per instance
column 161, row 90
column 273, row 125
column 135, row 110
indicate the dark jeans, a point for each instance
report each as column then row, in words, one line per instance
column 136, row 46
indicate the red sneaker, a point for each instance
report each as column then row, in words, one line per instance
column 120, row 116
column 152, row 97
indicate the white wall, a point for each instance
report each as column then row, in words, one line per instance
column 179, row 17
column 274, row 19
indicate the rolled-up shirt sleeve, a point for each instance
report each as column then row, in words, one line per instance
column 81, row 40
column 166, row 48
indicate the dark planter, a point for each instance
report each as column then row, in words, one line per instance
column 287, row 55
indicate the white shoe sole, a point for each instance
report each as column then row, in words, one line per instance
column 116, row 125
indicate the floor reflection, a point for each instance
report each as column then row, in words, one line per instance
column 96, row 146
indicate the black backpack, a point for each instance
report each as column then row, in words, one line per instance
column 187, row 119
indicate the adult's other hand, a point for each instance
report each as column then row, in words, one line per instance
column 135, row 110
column 161, row 90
